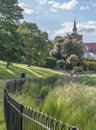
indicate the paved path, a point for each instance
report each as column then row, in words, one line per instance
column 74, row 75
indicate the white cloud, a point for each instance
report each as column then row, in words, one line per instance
column 57, row 5
column 88, row 28
column 51, row 2
column 66, row 28
column 41, row 1
column 94, row 5
column 66, row 5
column 84, row 8
column 53, row 10
column 26, row 10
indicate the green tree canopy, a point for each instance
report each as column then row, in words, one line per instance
column 10, row 14
column 73, row 59
column 65, row 46
column 57, row 50
column 72, row 46
column 35, row 43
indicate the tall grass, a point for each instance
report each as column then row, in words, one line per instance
column 71, row 100
column 36, row 91
column 2, row 121
column 73, row 103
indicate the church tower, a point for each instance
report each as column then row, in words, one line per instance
column 74, row 33
column 74, row 28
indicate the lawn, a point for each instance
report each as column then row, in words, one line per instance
column 15, row 71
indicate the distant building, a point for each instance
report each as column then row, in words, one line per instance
column 74, row 33
column 89, row 48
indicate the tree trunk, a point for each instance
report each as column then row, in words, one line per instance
column 7, row 66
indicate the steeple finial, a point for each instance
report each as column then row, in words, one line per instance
column 74, row 27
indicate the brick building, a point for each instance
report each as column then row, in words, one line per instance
column 91, row 46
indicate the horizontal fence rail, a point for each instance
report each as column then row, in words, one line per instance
column 20, row 117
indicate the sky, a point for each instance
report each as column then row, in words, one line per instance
column 56, row 17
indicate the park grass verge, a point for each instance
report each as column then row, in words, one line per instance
column 15, row 71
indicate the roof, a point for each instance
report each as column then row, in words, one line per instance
column 90, row 45
column 74, row 26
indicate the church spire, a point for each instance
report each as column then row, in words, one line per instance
column 74, row 28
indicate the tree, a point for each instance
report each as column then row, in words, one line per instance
column 73, row 59
column 60, row 64
column 51, row 62
column 72, row 46
column 57, row 51
column 35, row 43
column 10, row 14
column 65, row 46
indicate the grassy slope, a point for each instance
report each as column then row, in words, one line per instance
column 15, row 71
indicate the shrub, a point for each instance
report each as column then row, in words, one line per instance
column 94, row 69
column 89, row 58
column 51, row 62
column 89, row 65
column 60, row 64
column 68, row 66
column 78, row 69
column 73, row 59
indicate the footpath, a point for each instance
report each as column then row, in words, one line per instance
column 68, row 73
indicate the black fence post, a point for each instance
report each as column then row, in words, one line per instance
column 21, row 117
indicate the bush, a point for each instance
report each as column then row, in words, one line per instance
column 78, row 69
column 89, row 65
column 60, row 64
column 94, row 69
column 90, row 59
column 51, row 62
column 68, row 66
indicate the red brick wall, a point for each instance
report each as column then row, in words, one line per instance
column 90, row 45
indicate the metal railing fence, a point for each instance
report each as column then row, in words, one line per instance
column 20, row 117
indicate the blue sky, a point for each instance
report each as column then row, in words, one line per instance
column 57, row 16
